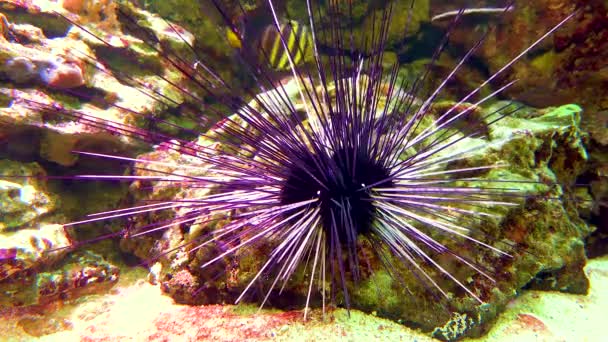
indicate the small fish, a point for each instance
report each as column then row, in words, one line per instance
column 262, row 40
column 298, row 40
column 472, row 11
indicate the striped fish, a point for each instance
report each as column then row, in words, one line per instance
column 298, row 39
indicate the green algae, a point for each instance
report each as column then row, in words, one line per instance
column 23, row 200
column 367, row 16
column 553, row 242
column 245, row 309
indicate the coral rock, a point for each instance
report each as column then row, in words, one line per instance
column 30, row 249
column 22, row 199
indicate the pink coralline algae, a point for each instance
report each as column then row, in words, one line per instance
column 56, row 72
column 61, row 74
column 8, row 253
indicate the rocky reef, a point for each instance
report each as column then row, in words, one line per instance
column 49, row 57
column 548, row 234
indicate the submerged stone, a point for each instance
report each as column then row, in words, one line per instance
column 23, row 199
column 543, row 237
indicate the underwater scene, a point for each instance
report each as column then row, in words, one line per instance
column 303, row 170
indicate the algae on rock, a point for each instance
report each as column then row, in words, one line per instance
column 540, row 235
column 23, row 199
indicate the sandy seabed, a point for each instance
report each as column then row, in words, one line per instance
column 138, row 311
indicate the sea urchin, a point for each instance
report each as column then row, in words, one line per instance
column 342, row 153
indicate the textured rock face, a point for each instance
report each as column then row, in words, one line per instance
column 570, row 66
column 23, row 200
column 46, row 63
column 37, row 268
column 543, row 234
column 367, row 20
column 30, row 249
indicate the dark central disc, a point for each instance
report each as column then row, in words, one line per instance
column 342, row 200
